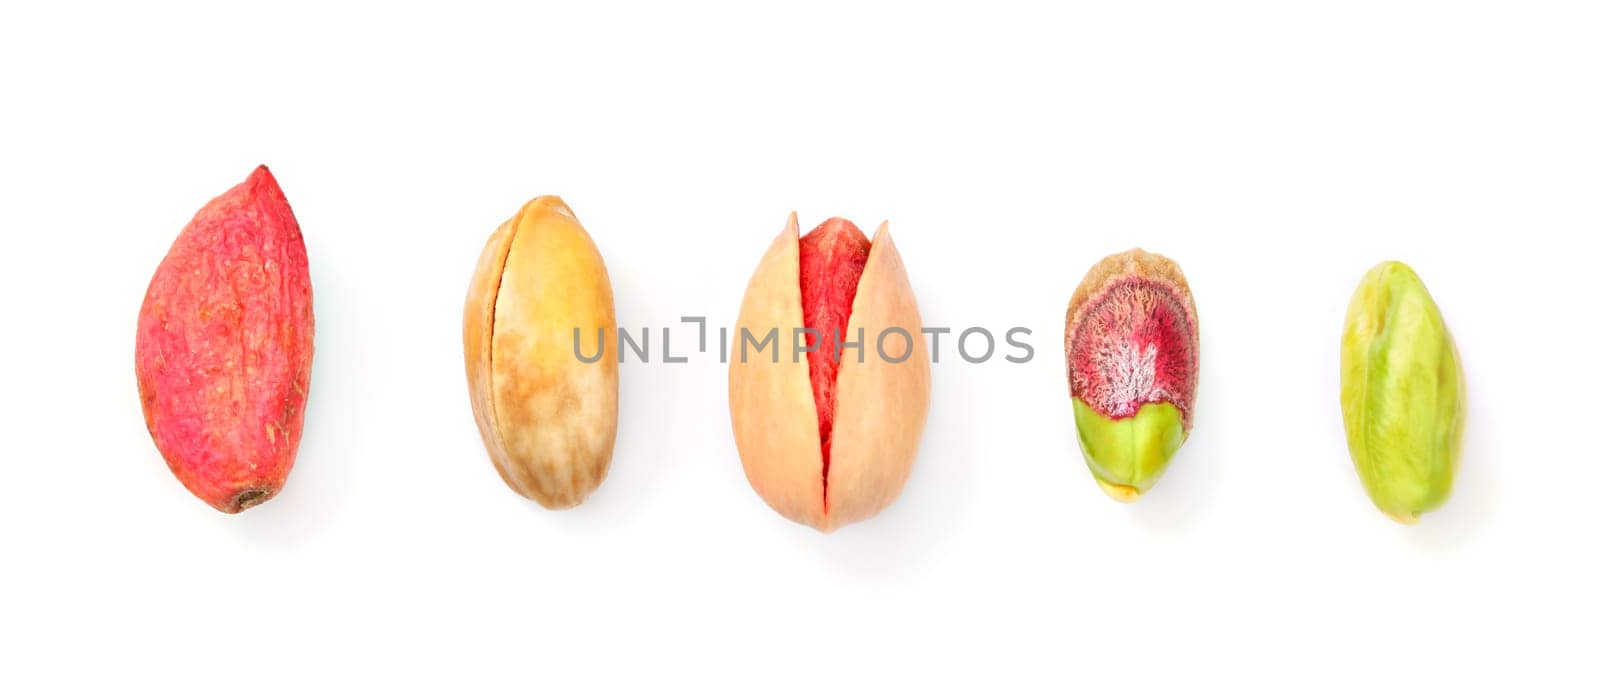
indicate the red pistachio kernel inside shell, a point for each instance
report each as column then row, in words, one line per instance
column 832, row 257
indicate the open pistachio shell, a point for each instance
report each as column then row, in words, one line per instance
column 881, row 404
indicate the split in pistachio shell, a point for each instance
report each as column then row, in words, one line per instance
column 1133, row 361
column 828, row 441
column 1401, row 392
column 547, row 417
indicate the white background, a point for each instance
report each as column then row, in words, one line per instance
column 1276, row 150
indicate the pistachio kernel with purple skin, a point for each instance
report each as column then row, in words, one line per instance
column 1133, row 361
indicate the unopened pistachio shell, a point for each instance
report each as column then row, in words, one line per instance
column 540, row 332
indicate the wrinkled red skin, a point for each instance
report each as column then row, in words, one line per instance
column 1132, row 348
column 224, row 350
column 832, row 257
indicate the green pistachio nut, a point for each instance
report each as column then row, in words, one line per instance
column 1127, row 455
column 1401, row 392
column 1133, row 364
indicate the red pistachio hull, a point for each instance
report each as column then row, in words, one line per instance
column 223, row 355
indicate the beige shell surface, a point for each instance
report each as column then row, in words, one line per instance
column 774, row 415
column 548, row 420
column 881, row 406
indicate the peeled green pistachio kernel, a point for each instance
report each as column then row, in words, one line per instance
column 1133, row 351
column 1402, row 393
column 1132, row 450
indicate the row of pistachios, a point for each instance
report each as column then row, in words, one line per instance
column 827, row 430
column 1133, row 355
